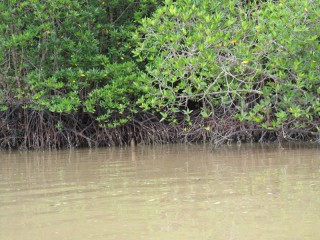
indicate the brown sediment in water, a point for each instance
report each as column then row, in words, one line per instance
column 178, row 191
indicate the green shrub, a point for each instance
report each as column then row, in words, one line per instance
column 258, row 62
column 67, row 56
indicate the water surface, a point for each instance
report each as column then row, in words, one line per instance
column 161, row 192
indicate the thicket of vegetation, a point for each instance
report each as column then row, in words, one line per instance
column 99, row 73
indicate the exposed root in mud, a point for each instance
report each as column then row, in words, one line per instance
column 29, row 129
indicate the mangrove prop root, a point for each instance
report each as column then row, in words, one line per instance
column 29, row 129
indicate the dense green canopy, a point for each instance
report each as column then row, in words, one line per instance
column 202, row 70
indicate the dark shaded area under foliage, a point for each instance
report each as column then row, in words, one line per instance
column 29, row 129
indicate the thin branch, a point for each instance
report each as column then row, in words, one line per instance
column 123, row 12
column 262, row 73
column 222, row 92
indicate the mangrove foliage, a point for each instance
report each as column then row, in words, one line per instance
column 101, row 73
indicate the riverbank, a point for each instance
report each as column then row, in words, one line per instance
column 29, row 129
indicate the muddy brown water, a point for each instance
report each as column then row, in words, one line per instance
column 161, row 192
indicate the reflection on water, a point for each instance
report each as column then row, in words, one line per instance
column 161, row 192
